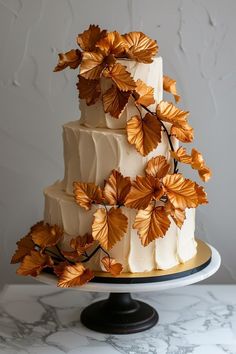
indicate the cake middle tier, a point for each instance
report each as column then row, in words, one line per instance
column 90, row 154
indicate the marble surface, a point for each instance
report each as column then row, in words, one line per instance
column 41, row 319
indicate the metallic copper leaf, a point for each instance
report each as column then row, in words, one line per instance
column 157, row 167
column 59, row 268
column 87, row 193
column 112, row 43
column 109, row 226
column 181, row 155
column 205, row 173
column 167, row 112
column 142, row 191
column 180, row 191
column 144, row 133
column 178, row 215
column 115, row 101
column 72, row 59
column 185, row 135
column 201, row 194
column 120, row 76
column 47, row 236
column 25, row 246
column 112, row 266
column 89, row 90
column 34, row 263
column 116, row 188
column 151, row 223
column 144, row 94
column 92, row 65
column 82, row 243
column 198, row 163
column 140, row 47
column 169, row 85
column 75, row 275
column 88, row 39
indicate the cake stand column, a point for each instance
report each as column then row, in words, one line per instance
column 119, row 314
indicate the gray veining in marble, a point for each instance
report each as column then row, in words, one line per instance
column 39, row 319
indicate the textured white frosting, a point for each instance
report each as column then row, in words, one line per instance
column 176, row 247
column 90, row 154
column 152, row 74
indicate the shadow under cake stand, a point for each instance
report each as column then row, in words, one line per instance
column 120, row 313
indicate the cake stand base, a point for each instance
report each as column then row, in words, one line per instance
column 119, row 314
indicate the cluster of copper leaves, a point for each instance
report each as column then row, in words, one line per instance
column 39, row 250
column 98, row 60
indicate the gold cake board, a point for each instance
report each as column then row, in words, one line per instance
column 194, row 265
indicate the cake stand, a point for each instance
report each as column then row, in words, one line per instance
column 120, row 313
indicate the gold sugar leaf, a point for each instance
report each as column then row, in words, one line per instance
column 144, row 94
column 34, row 263
column 142, row 191
column 180, row 191
column 112, row 266
column 89, row 90
column 151, row 223
column 75, row 275
column 140, row 47
column 169, row 85
column 157, row 167
column 71, row 59
column 115, row 101
column 109, row 226
column 88, row 39
column 87, row 193
column 116, row 188
column 144, row 133
column 120, row 76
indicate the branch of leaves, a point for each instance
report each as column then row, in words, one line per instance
column 160, row 195
column 39, row 250
column 109, row 223
column 145, row 133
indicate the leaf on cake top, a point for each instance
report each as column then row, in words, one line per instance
column 74, row 275
column 92, row 65
column 157, row 167
column 88, row 39
column 46, row 235
column 140, row 47
column 109, row 226
column 116, row 188
column 115, row 101
column 169, row 85
column 87, row 193
column 89, row 90
column 112, row 266
column 143, row 190
column 144, row 94
column 112, row 43
column 144, row 133
column 151, row 223
column 120, row 76
column 70, row 59
column 33, row 264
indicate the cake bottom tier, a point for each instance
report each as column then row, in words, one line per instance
column 177, row 246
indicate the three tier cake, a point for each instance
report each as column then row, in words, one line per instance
column 123, row 206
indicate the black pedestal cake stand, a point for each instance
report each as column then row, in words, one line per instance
column 120, row 313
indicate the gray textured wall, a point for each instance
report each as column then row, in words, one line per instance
column 197, row 43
